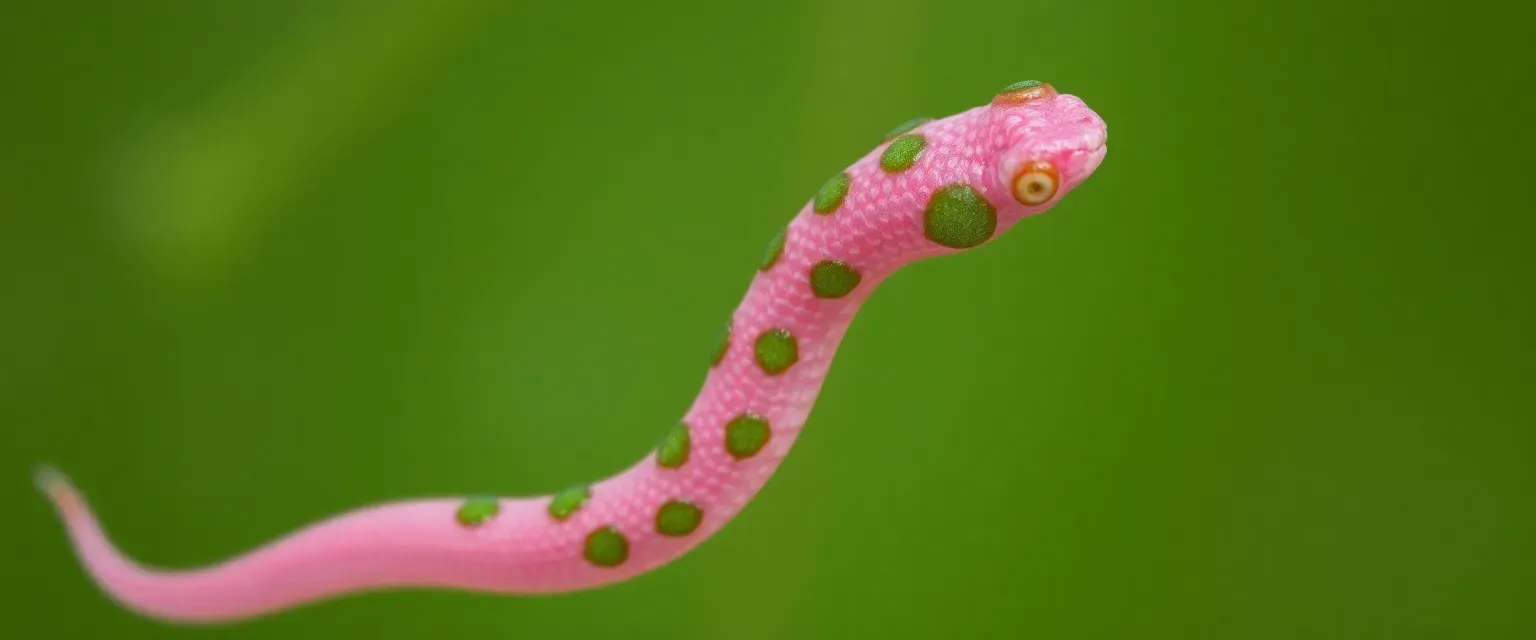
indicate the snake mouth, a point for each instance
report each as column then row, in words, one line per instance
column 1097, row 155
column 1097, row 140
column 1089, row 161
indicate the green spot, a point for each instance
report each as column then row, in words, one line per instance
column 906, row 126
column 958, row 217
column 725, row 345
column 833, row 279
column 678, row 518
column 477, row 511
column 775, row 249
column 776, row 351
column 1020, row 85
column 831, row 194
column 746, row 435
column 673, row 450
column 901, row 153
column 606, row 547
column 568, row 501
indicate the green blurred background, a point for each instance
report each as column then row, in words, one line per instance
column 1267, row 375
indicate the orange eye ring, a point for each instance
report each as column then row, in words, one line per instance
column 1036, row 183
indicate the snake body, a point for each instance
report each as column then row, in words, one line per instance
column 931, row 187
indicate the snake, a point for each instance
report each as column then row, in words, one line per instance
column 930, row 187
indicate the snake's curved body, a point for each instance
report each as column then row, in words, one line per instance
column 932, row 187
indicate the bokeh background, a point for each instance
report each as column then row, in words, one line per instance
column 1269, row 374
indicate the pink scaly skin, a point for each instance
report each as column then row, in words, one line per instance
column 933, row 187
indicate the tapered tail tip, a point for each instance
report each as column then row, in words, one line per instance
column 55, row 486
column 45, row 476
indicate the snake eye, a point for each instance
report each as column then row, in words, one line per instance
column 1035, row 183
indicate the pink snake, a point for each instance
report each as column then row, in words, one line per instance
column 932, row 187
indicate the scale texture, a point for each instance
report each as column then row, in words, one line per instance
column 932, row 187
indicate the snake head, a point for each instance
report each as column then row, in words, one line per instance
column 1048, row 144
